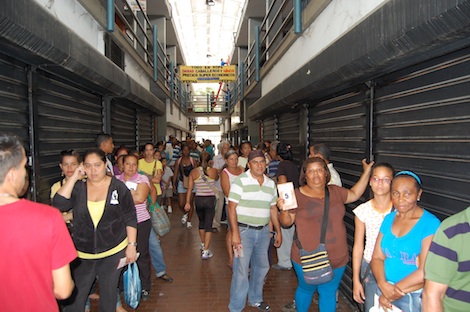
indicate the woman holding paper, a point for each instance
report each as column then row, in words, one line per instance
column 104, row 231
column 308, row 218
column 139, row 186
column 402, row 246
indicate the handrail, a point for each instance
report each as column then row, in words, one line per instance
column 277, row 21
column 143, row 37
column 287, row 20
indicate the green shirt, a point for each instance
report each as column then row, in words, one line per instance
column 448, row 261
column 253, row 200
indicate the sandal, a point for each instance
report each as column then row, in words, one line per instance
column 167, row 278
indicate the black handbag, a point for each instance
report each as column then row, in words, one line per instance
column 315, row 264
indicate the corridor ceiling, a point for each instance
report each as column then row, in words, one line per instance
column 206, row 34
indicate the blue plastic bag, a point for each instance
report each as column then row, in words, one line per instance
column 132, row 286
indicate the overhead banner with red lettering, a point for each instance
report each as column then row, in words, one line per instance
column 208, row 74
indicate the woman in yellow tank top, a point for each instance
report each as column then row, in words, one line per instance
column 104, row 229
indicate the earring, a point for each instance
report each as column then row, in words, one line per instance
column 418, row 198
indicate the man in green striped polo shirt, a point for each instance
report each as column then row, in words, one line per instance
column 252, row 205
column 447, row 268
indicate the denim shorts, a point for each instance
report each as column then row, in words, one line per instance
column 182, row 189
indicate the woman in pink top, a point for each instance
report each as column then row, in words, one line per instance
column 227, row 176
column 203, row 178
column 139, row 186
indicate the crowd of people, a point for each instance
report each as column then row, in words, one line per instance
column 402, row 256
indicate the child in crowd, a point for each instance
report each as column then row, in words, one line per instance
column 167, row 185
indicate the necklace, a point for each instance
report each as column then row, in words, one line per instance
column 7, row 195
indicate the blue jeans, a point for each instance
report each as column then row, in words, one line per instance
column 411, row 302
column 255, row 249
column 326, row 292
column 156, row 254
column 283, row 252
column 370, row 286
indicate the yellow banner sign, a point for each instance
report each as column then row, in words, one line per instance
column 208, row 73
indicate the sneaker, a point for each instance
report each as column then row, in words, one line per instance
column 202, row 246
column 189, row 226
column 145, row 295
column 206, row 254
column 262, row 306
column 278, row 267
column 184, row 219
column 169, row 209
column 290, row 307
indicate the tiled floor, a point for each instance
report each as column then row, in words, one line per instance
column 203, row 285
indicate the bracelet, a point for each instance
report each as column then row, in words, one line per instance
column 132, row 243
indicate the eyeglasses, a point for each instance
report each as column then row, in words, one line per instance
column 378, row 180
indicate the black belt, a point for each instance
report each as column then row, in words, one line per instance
column 254, row 227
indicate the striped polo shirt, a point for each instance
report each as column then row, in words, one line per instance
column 448, row 261
column 253, row 200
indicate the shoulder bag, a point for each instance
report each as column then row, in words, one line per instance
column 160, row 221
column 315, row 264
column 204, row 178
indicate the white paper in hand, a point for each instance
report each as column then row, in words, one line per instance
column 123, row 261
column 286, row 191
column 378, row 308
column 132, row 186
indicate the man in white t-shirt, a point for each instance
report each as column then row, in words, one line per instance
column 322, row 151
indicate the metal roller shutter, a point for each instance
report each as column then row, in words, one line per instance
column 124, row 124
column 288, row 124
column 68, row 117
column 14, row 98
column 269, row 128
column 145, row 127
column 341, row 122
column 422, row 123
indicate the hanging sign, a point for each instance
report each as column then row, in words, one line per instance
column 134, row 6
column 208, row 74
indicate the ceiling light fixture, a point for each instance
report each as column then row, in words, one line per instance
column 210, row 2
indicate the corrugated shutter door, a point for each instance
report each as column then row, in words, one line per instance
column 123, row 124
column 14, row 98
column 341, row 123
column 68, row 118
column 269, row 129
column 422, row 122
column 145, row 120
column 288, row 124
